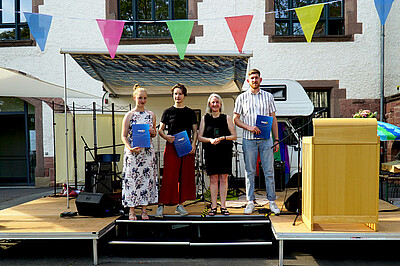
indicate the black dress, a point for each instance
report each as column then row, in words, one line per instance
column 218, row 157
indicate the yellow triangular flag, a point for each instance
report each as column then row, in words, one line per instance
column 308, row 17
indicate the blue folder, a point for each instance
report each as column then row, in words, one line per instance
column 182, row 143
column 140, row 136
column 264, row 123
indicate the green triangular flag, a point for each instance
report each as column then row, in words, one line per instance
column 180, row 32
column 308, row 17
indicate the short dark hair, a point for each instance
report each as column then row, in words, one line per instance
column 179, row 86
column 254, row 71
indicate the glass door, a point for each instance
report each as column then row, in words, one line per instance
column 13, row 150
column 16, row 166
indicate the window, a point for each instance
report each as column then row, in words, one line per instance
column 287, row 24
column 13, row 25
column 278, row 91
column 320, row 100
column 338, row 22
column 150, row 10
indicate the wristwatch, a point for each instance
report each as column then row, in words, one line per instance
column 276, row 140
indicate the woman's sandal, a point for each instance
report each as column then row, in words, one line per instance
column 132, row 216
column 213, row 211
column 145, row 216
column 224, row 211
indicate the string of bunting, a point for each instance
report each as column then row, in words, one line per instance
column 180, row 30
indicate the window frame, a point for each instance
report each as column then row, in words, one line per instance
column 17, row 24
column 112, row 10
column 291, row 19
column 351, row 26
column 135, row 25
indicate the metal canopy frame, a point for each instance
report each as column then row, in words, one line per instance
column 227, row 70
column 203, row 72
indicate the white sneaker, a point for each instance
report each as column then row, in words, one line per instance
column 181, row 211
column 160, row 212
column 274, row 208
column 249, row 208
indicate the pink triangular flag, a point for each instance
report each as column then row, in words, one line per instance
column 111, row 31
column 239, row 25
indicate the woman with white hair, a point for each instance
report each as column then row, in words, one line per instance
column 217, row 133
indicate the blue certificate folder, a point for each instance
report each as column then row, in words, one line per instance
column 264, row 123
column 140, row 135
column 182, row 143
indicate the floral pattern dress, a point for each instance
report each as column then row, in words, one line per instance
column 139, row 175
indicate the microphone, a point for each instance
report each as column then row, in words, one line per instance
column 319, row 112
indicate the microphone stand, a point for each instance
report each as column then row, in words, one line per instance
column 298, row 131
column 200, row 178
column 235, row 176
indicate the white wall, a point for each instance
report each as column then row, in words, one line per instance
column 355, row 64
column 392, row 52
column 48, row 65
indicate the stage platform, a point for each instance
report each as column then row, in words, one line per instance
column 388, row 229
column 40, row 219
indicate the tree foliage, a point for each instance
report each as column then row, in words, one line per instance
column 150, row 10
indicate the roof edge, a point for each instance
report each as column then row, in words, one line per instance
column 155, row 52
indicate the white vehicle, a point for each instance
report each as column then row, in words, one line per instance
column 291, row 101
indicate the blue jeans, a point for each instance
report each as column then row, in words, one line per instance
column 251, row 147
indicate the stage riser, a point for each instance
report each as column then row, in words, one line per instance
column 193, row 232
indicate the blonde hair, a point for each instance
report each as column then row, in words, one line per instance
column 254, row 71
column 208, row 109
column 137, row 89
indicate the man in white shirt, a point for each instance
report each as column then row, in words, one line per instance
column 248, row 105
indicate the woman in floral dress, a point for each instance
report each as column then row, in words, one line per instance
column 139, row 176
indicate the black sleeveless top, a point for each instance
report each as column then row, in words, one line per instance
column 218, row 157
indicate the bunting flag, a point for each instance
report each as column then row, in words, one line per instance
column 180, row 32
column 308, row 17
column 111, row 31
column 383, row 8
column 39, row 26
column 239, row 25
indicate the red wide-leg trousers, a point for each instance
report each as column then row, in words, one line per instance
column 178, row 182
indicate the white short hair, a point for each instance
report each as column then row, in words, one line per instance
column 208, row 109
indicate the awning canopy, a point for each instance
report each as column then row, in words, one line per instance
column 157, row 71
column 17, row 84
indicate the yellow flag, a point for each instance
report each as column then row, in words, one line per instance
column 308, row 17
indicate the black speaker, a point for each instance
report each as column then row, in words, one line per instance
column 279, row 173
column 95, row 204
column 279, row 169
column 104, row 183
column 292, row 204
column 97, row 178
column 93, row 167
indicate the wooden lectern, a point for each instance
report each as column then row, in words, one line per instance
column 340, row 169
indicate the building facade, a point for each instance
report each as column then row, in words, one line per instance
column 340, row 69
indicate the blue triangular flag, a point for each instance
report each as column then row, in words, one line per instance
column 39, row 26
column 383, row 8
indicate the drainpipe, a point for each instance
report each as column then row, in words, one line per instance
column 382, row 102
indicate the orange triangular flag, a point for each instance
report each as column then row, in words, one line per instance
column 239, row 25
